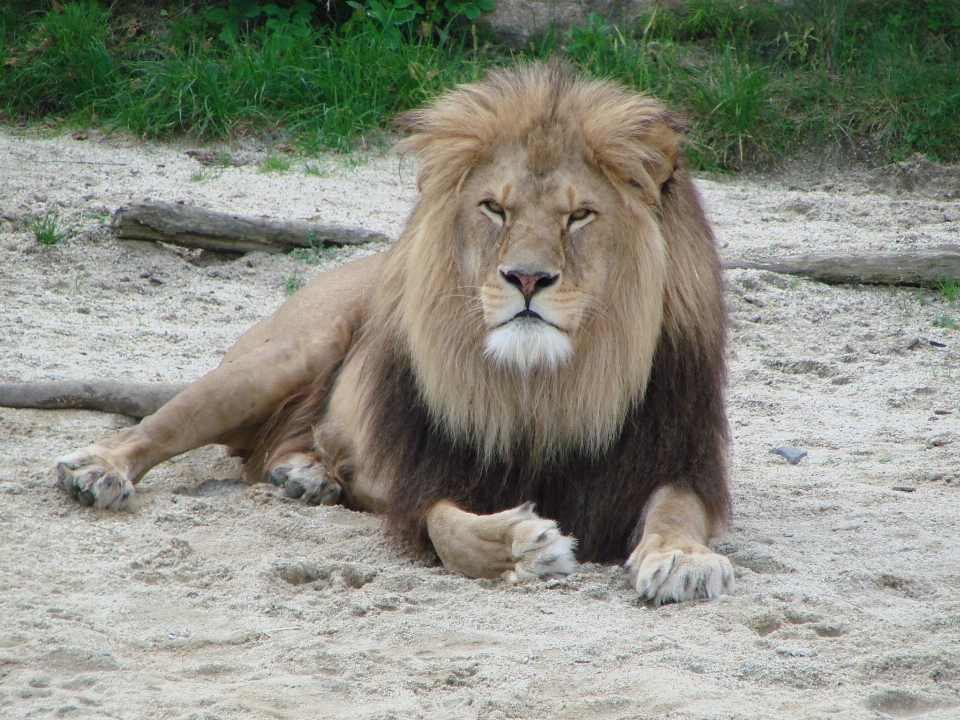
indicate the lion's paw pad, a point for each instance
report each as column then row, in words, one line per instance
column 92, row 483
column 540, row 551
column 678, row 575
column 304, row 477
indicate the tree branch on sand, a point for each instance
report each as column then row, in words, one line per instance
column 194, row 227
column 924, row 268
column 113, row 396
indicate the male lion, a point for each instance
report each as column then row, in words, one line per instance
column 548, row 332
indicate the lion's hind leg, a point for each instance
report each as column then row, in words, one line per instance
column 515, row 544
column 672, row 563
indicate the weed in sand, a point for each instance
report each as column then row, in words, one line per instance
column 79, row 281
column 292, row 283
column 312, row 255
column 274, row 163
column 45, row 229
column 203, row 175
column 945, row 322
column 949, row 289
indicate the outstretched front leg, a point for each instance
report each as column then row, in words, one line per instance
column 515, row 544
column 672, row 563
column 301, row 343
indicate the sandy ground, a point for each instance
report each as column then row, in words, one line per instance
column 212, row 599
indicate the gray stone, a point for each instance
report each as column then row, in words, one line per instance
column 791, row 455
column 518, row 22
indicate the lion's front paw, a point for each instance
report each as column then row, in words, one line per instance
column 539, row 549
column 92, row 482
column 666, row 571
column 303, row 476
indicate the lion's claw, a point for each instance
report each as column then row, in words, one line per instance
column 92, row 484
column 678, row 575
column 539, row 549
column 304, row 477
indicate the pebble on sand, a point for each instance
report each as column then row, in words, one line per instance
column 791, row 455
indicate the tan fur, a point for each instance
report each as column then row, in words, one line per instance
column 542, row 146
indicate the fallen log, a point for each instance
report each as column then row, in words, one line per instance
column 194, row 227
column 134, row 399
column 922, row 268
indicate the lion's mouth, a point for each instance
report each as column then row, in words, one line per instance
column 529, row 316
column 528, row 313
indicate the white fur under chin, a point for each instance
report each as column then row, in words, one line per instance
column 526, row 344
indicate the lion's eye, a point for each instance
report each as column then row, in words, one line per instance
column 494, row 207
column 578, row 215
column 494, row 211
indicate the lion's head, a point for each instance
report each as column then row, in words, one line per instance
column 534, row 277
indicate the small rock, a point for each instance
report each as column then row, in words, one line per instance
column 913, row 344
column 791, row 455
column 904, row 488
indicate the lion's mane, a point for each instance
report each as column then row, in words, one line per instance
column 642, row 403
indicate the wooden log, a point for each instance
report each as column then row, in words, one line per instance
column 922, row 268
column 194, row 227
column 114, row 396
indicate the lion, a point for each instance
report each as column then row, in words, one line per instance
column 532, row 376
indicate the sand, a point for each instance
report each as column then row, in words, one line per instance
column 214, row 599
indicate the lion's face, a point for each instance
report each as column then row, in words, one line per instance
column 536, row 243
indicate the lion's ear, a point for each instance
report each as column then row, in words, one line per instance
column 663, row 163
column 447, row 153
column 639, row 144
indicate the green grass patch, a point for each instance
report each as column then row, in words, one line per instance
column 203, row 175
column 949, row 289
column 756, row 81
column 45, row 229
column 292, row 283
column 274, row 163
column 945, row 322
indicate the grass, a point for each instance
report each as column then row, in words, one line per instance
column 45, row 229
column 203, row 175
column 949, row 290
column 757, row 82
column 274, row 163
column 945, row 322
column 312, row 255
column 292, row 283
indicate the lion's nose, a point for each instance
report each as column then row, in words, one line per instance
column 529, row 283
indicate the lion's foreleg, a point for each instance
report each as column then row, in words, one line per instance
column 672, row 562
column 515, row 544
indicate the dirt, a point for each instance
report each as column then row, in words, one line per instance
column 214, row 599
